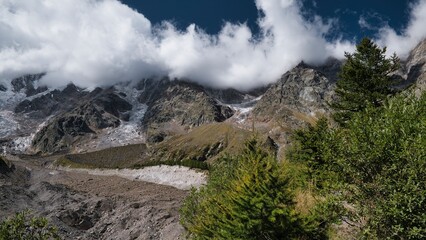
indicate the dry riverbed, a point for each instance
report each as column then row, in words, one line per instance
column 101, row 204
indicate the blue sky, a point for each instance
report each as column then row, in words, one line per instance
column 356, row 18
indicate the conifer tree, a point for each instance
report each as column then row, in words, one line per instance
column 364, row 79
column 247, row 197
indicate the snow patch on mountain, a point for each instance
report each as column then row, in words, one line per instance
column 129, row 132
column 8, row 125
column 9, row 99
column 243, row 110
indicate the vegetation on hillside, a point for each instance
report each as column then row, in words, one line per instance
column 248, row 196
column 22, row 227
column 377, row 162
column 116, row 157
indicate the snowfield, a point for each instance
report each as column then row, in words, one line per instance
column 176, row 176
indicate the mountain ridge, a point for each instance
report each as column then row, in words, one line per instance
column 153, row 110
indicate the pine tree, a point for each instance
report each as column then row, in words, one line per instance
column 247, row 197
column 364, row 79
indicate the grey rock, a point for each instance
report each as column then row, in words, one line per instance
column 301, row 94
column 152, row 89
column 28, row 83
column 183, row 104
column 104, row 111
column 6, row 167
column 416, row 66
column 53, row 102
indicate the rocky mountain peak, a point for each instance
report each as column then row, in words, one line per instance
column 52, row 102
column 305, row 89
column 29, row 84
column 416, row 66
column 299, row 97
column 418, row 54
column 105, row 110
column 180, row 105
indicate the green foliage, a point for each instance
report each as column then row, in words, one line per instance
column 247, row 197
column 21, row 227
column 364, row 79
column 314, row 147
column 385, row 157
column 380, row 158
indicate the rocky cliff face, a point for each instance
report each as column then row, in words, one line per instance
column 5, row 167
column 299, row 98
column 52, row 102
column 172, row 107
column 180, row 105
column 416, row 66
column 28, row 84
column 301, row 95
column 105, row 110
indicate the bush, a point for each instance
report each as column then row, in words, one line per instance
column 385, row 157
column 380, row 158
column 246, row 197
column 21, row 227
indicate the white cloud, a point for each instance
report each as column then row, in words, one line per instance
column 100, row 42
column 87, row 42
column 401, row 44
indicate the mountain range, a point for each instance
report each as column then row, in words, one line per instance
column 173, row 117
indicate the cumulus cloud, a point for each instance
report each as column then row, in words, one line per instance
column 87, row 42
column 401, row 44
column 101, row 42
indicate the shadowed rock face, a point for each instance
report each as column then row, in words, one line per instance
column 104, row 111
column 5, row 168
column 52, row 102
column 232, row 96
column 173, row 106
column 28, row 83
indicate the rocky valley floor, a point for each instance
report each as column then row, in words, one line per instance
column 90, row 205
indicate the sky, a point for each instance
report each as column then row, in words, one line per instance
column 239, row 44
column 357, row 19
